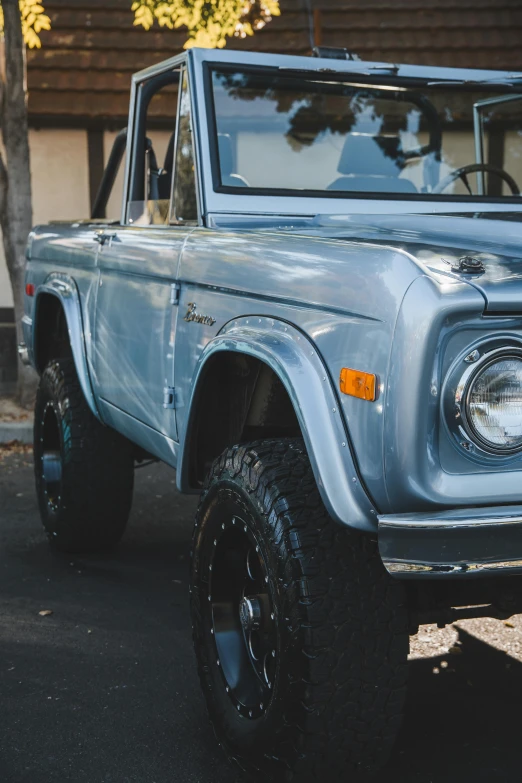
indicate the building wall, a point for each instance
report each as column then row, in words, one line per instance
column 60, row 182
column 160, row 140
column 6, row 299
column 86, row 61
column 82, row 72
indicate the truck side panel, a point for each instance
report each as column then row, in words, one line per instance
column 325, row 288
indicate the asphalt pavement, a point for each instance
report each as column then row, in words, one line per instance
column 104, row 689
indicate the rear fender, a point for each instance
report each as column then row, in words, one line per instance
column 64, row 289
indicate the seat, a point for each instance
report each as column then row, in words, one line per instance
column 226, row 161
column 372, row 164
column 165, row 174
column 151, row 186
column 157, row 190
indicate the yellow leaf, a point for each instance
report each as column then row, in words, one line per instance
column 42, row 23
column 32, row 40
column 34, row 19
column 143, row 16
column 210, row 23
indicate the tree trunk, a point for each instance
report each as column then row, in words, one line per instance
column 16, row 215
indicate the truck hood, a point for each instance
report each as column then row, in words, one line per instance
column 439, row 241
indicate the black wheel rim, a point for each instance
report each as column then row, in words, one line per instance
column 244, row 626
column 51, row 457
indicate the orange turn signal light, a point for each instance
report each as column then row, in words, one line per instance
column 358, row 384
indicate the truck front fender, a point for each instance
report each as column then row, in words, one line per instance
column 294, row 359
column 63, row 288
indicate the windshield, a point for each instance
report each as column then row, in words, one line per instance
column 278, row 132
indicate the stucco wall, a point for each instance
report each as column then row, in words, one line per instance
column 60, row 181
column 160, row 140
column 6, row 299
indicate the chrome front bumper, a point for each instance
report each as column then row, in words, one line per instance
column 468, row 542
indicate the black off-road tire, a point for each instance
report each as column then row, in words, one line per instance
column 84, row 471
column 341, row 662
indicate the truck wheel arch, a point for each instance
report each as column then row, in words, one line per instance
column 292, row 358
column 58, row 330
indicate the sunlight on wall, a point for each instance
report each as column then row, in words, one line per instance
column 60, row 182
column 160, row 140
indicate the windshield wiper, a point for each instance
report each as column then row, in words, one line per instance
column 384, row 67
column 503, row 82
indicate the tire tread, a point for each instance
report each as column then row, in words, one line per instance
column 347, row 617
column 98, row 468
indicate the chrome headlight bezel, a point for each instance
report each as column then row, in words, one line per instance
column 463, row 391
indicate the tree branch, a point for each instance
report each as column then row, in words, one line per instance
column 3, row 170
column 16, row 216
column 3, row 191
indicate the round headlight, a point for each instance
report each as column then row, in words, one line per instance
column 493, row 404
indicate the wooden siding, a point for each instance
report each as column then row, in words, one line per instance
column 82, row 72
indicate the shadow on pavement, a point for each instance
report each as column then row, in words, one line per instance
column 105, row 689
column 463, row 723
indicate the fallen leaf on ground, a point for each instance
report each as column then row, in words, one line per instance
column 508, row 624
column 13, row 447
column 45, row 612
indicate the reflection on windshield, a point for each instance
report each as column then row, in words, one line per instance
column 282, row 132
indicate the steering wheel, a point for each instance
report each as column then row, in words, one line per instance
column 463, row 171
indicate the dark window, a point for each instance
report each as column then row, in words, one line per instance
column 335, row 135
column 152, row 164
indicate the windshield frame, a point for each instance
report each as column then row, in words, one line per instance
column 239, row 200
column 504, row 90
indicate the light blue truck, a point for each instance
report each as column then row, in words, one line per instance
column 311, row 308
